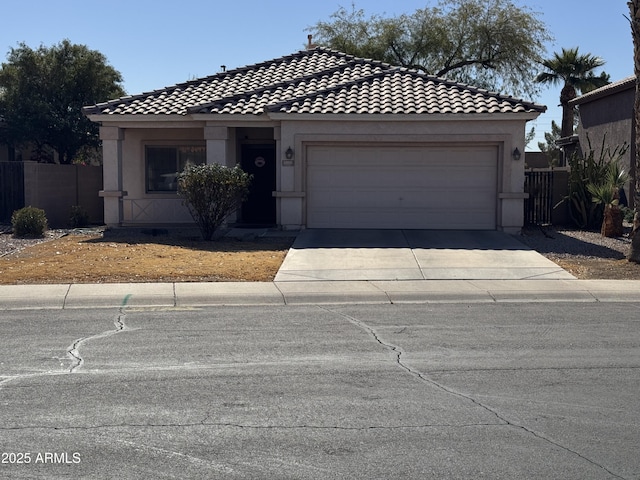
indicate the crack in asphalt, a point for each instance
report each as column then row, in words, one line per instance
column 284, row 298
column 74, row 350
column 252, row 427
column 66, row 295
column 207, row 423
column 397, row 351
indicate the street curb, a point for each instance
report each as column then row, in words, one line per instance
column 171, row 295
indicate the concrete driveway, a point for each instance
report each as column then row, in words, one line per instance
column 319, row 254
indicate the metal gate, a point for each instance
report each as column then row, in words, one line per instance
column 538, row 207
column 11, row 189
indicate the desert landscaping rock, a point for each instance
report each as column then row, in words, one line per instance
column 585, row 254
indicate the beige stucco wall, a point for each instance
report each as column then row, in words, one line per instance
column 126, row 146
column 56, row 188
column 140, row 207
column 608, row 121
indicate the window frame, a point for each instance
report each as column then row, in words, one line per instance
column 176, row 145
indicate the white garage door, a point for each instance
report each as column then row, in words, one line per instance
column 446, row 187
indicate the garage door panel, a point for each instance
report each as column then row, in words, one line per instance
column 408, row 198
column 381, row 177
column 397, row 187
column 422, row 219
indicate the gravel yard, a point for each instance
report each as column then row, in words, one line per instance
column 10, row 244
column 585, row 254
column 567, row 243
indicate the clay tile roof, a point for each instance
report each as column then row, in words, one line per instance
column 318, row 81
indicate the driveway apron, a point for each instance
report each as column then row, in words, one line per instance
column 345, row 254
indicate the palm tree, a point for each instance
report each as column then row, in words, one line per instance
column 575, row 72
column 634, row 11
column 607, row 192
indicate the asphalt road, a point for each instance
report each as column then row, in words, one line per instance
column 499, row 391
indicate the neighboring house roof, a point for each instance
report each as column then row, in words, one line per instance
column 615, row 87
column 320, row 81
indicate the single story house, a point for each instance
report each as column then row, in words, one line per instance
column 606, row 114
column 333, row 141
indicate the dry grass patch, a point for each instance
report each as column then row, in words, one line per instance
column 94, row 259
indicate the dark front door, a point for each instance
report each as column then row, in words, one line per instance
column 260, row 161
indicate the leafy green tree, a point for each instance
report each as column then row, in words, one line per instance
column 550, row 149
column 575, row 72
column 489, row 43
column 42, row 93
column 212, row 192
column 528, row 138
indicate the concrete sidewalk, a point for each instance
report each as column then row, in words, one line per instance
column 169, row 295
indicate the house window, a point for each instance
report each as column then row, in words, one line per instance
column 164, row 163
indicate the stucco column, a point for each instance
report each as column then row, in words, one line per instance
column 112, row 191
column 217, row 140
column 290, row 195
column 512, row 196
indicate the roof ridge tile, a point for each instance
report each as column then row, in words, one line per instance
column 288, row 82
column 340, row 86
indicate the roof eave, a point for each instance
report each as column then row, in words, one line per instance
column 628, row 83
column 278, row 116
column 146, row 121
column 522, row 116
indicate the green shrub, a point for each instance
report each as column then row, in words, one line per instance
column 29, row 222
column 628, row 214
column 79, row 217
column 211, row 192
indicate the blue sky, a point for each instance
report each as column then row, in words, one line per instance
column 155, row 43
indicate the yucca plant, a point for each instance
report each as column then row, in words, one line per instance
column 606, row 192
